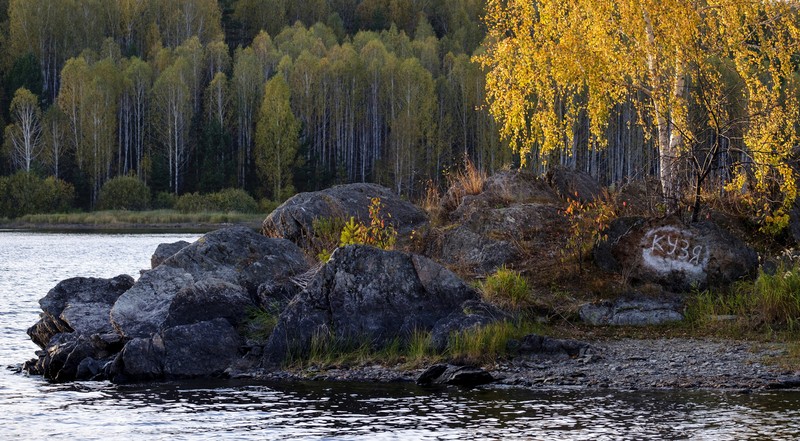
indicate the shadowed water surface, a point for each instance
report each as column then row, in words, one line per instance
column 31, row 264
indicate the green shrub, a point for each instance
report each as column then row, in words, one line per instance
column 326, row 234
column 164, row 200
column 225, row 201
column 25, row 193
column 124, row 193
column 506, row 288
column 258, row 324
column 379, row 233
column 233, row 199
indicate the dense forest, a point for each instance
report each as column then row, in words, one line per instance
column 275, row 96
column 174, row 93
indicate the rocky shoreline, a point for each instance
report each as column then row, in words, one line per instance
column 626, row 364
column 240, row 304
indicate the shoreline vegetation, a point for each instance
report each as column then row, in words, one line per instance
column 164, row 220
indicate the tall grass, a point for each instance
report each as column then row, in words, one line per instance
column 506, row 288
column 123, row 217
column 327, row 350
column 488, row 343
column 772, row 301
column 465, row 182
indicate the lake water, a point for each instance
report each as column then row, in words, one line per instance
column 31, row 408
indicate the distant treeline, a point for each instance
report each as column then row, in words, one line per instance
column 173, row 93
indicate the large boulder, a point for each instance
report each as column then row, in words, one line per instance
column 676, row 256
column 367, row 295
column 573, row 184
column 79, row 305
column 201, row 349
column 166, row 250
column 233, row 256
column 240, row 256
column 294, row 219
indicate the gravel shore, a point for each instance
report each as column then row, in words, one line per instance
column 626, row 364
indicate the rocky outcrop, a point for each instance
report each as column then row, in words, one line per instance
column 367, row 295
column 515, row 215
column 166, row 250
column 293, row 220
column 674, row 255
column 179, row 320
column 634, row 311
column 237, row 256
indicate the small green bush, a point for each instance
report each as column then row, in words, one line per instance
column 164, row 200
column 233, row 199
column 25, row 193
column 225, row 201
column 124, row 193
column 258, row 324
column 506, row 288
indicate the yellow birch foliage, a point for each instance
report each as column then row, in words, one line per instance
column 547, row 61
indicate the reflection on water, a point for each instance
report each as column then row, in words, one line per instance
column 234, row 410
column 32, row 264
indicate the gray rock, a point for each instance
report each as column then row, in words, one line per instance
column 632, row 312
column 364, row 294
column 201, row 349
column 142, row 310
column 473, row 314
column 293, row 219
column 141, row 359
column 673, row 255
column 451, row 375
column 573, row 184
column 240, row 256
column 206, row 300
column 534, row 344
column 61, row 359
column 166, row 250
column 488, row 237
column 461, row 247
column 236, row 255
column 78, row 305
column 515, row 213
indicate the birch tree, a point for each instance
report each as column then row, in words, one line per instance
column 26, row 130
column 550, row 61
column 277, row 138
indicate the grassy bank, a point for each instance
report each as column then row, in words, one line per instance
column 123, row 219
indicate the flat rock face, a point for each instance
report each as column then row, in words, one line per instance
column 142, row 310
column 632, row 312
column 673, row 255
column 240, row 256
column 365, row 294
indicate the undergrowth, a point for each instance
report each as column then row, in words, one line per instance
column 770, row 303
